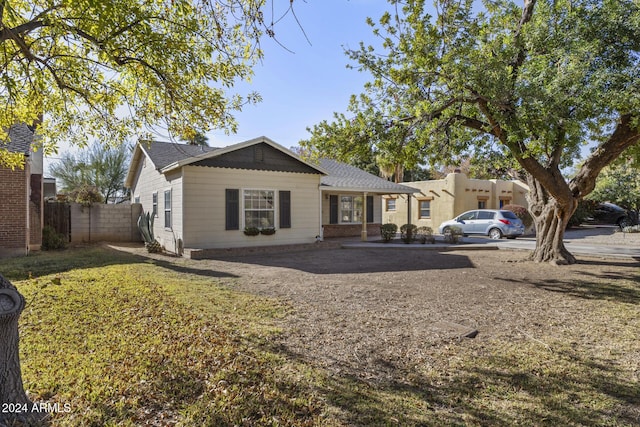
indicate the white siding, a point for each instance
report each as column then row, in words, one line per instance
column 148, row 180
column 204, row 206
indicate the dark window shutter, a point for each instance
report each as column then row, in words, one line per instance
column 369, row 208
column 232, row 209
column 285, row 209
column 333, row 209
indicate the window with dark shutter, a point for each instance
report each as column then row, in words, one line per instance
column 232, row 209
column 285, row 209
column 369, row 208
column 333, row 209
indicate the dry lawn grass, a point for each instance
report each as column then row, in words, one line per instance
column 555, row 345
column 366, row 337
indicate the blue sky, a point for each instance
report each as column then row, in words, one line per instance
column 301, row 89
column 306, row 82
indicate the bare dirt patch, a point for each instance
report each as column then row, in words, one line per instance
column 374, row 314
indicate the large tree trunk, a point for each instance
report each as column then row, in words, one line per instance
column 13, row 399
column 551, row 217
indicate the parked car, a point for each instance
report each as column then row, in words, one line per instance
column 608, row 213
column 490, row 222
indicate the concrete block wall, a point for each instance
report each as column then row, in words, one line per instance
column 105, row 223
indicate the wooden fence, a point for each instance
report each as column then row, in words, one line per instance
column 58, row 216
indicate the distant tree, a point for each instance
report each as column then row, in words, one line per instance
column 99, row 167
column 197, row 138
column 619, row 184
column 110, row 70
column 371, row 132
column 419, row 174
column 531, row 83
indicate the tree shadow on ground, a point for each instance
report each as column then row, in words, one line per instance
column 593, row 290
column 617, row 284
column 50, row 262
column 93, row 256
column 206, row 272
column 490, row 391
column 348, row 261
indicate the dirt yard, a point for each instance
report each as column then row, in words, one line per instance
column 374, row 313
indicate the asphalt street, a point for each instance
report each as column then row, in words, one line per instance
column 601, row 241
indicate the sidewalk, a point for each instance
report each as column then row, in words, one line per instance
column 593, row 241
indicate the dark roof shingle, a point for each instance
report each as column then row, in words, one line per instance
column 342, row 175
column 20, row 139
column 165, row 153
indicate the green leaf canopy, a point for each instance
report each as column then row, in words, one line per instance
column 85, row 69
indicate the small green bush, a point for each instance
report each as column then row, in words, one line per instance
column 425, row 234
column 522, row 213
column 453, row 234
column 388, row 231
column 408, row 232
column 51, row 240
column 585, row 210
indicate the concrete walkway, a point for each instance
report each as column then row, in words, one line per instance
column 600, row 241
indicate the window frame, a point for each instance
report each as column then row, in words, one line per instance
column 273, row 209
column 387, row 204
column 168, row 210
column 482, row 202
column 420, row 209
column 154, row 204
column 353, row 208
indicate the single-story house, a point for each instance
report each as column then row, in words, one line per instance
column 21, row 210
column 204, row 197
column 439, row 200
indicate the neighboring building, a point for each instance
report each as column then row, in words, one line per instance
column 49, row 190
column 204, row 197
column 21, row 194
column 440, row 200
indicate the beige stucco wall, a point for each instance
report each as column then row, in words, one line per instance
column 204, row 207
column 451, row 196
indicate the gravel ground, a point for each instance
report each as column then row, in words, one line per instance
column 375, row 313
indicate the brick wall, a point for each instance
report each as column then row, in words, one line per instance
column 14, row 237
column 105, row 223
column 349, row 230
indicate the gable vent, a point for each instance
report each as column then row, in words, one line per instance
column 258, row 154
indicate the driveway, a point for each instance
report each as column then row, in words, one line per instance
column 374, row 312
column 590, row 240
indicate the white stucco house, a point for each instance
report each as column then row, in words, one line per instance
column 204, row 197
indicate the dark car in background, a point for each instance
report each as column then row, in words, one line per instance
column 608, row 213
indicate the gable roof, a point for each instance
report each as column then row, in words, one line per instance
column 350, row 178
column 162, row 154
column 167, row 156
